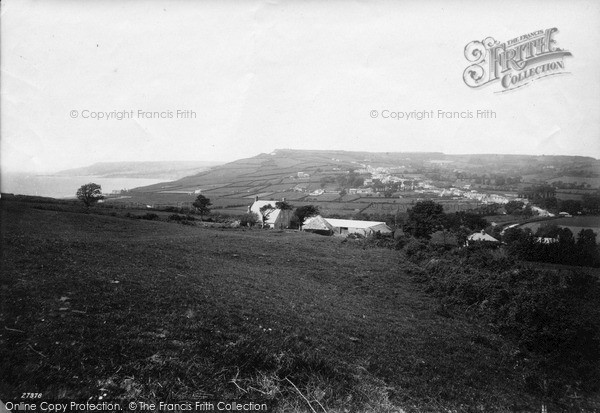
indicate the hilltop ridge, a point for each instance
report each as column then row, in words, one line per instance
column 140, row 169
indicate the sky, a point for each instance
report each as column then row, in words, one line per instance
column 254, row 76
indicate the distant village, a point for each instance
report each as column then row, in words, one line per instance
column 391, row 182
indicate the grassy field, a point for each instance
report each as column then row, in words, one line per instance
column 95, row 305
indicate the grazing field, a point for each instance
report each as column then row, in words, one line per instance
column 95, row 305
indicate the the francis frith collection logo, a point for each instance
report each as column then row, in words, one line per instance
column 516, row 62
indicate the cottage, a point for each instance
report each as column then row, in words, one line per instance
column 276, row 219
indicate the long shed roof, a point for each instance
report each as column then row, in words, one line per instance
column 351, row 223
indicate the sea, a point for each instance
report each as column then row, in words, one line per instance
column 65, row 186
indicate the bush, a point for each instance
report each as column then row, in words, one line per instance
column 552, row 316
column 249, row 219
column 415, row 249
column 150, row 216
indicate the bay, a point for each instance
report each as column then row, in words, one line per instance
column 65, row 186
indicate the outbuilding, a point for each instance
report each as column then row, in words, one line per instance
column 317, row 225
column 351, row 226
column 481, row 237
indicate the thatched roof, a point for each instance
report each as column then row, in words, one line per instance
column 316, row 223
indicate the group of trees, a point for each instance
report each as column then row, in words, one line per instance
column 518, row 208
column 489, row 179
column 551, row 244
column 589, row 204
column 538, row 191
column 554, row 245
column 427, row 217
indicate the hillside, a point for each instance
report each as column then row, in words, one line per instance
column 99, row 305
column 159, row 170
column 281, row 167
column 320, row 177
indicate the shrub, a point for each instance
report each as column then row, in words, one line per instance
column 249, row 219
column 150, row 216
column 416, row 249
column 552, row 316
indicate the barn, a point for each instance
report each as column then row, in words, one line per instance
column 351, row 226
column 317, row 225
column 481, row 237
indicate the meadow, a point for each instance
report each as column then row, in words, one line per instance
column 106, row 307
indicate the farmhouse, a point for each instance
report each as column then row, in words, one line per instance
column 276, row 219
column 349, row 226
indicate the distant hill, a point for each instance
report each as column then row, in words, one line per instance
column 266, row 172
column 168, row 170
column 323, row 178
column 275, row 167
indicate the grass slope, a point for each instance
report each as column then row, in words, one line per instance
column 94, row 305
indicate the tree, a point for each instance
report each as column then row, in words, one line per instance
column 89, row 194
column 284, row 206
column 424, row 218
column 202, row 205
column 587, row 248
column 550, row 203
column 586, row 238
column 571, row 206
column 473, row 222
column 591, row 204
column 303, row 212
column 514, row 207
column 265, row 211
column 248, row 219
